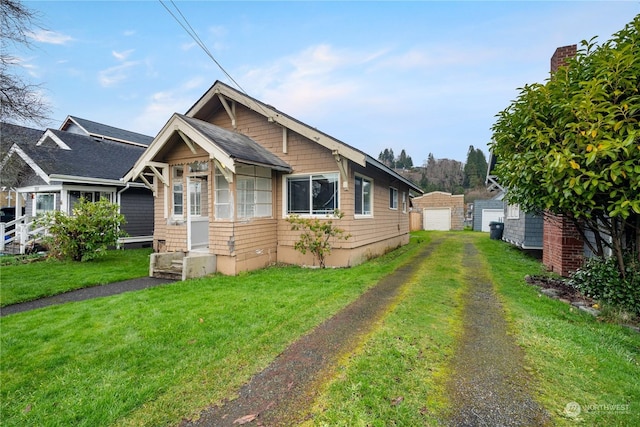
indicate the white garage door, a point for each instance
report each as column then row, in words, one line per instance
column 490, row 215
column 437, row 219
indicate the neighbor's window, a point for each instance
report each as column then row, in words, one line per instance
column 312, row 194
column 404, row 202
column 222, row 203
column 393, row 198
column 513, row 212
column 178, row 200
column 92, row 196
column 45, row 202
column 253, row 189
column 363, row 196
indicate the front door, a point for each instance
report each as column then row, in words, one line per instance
column 198, row 212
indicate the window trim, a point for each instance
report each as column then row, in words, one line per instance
column 285, row 193
column 513, row 211
column 181, row 182
column 35, row 203
column 393, row 197
column 257, row 174
column 372, row 198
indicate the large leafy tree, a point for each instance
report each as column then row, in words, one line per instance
column 571, row 146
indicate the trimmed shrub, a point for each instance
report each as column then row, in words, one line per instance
column 601, row 280
column 85, row 235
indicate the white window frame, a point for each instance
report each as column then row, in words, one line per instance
column 310, row 176
column 513, row 211
column 393, row 198
column 255, row 200
column 404, row 202
column 175, row 183
column 37, row 212
column 365, row 214
column 222, row 187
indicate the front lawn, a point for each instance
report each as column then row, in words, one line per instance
column 37, row 279
column 152, row 357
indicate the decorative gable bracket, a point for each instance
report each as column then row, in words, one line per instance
column 343, row 166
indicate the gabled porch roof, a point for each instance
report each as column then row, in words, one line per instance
column 226, row 147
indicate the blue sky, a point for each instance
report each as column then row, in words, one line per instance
column 424, row 76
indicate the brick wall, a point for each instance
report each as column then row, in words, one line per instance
column 563, row 248
column 561, row 55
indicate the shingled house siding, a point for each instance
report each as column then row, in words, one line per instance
column 525, row 231
column 136, row 204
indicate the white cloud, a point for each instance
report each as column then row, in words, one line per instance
column 121, row 56
column 129, row 33
column 114, row 75
column 314, row 81
column 163, row 104
column 51, row 37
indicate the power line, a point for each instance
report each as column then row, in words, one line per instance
column 184, row 23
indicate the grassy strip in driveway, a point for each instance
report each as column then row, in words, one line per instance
column 397, row 376
column 154, row 356
column 27, row 282
column 573, row 356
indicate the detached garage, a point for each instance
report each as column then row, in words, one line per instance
column 486, row 211
column 440, row 211
column 436, row 219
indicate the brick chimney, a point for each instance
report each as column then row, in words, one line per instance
column 563, row 247
column 560, row 56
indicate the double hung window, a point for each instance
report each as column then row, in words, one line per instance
column 363, row 196
column 393, row 198
column 223, row 202
column 254, row 194
column 177, row 190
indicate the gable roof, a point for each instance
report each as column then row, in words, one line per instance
column 225, row 146
column 237, row 146
column 86, row 156
column 198, row 110
column 57, row 155
column 11, row 134
column 102, row 131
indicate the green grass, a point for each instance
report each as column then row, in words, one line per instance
column 26, row 282
column 573, row 356
column 397, row 376
column 155, row 356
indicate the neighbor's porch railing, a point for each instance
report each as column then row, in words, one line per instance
column 20, row 233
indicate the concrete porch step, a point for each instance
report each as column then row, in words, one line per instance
column 181, row 266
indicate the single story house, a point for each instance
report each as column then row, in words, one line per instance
column 440, row 210
column 227, row 174
column 52, row 169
